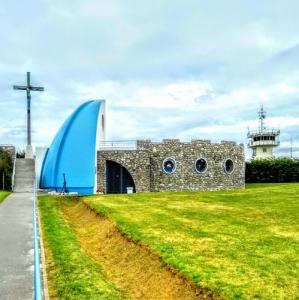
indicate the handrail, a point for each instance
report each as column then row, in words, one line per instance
column 13, row 174
column 38, row 294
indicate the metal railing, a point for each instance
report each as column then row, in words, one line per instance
column 118, row 145
column 38, row 293
column 13, row 175
column 259, row 132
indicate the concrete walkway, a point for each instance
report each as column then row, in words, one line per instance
column 16, row 247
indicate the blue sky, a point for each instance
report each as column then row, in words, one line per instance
column 181, row 69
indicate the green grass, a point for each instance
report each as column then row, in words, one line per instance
column 242, row 244
column 71, row 272
column 3, row 195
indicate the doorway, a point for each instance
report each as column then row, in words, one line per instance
column 118, row 178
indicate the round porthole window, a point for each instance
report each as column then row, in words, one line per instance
column 201, row 165
column 169, row 165
column 228, row 166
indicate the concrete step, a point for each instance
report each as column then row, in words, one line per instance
column 24, row 170
column 32, row 175
column 24, row 166
column 30, row 167
column 25, row 182
column 23, row 190
column 24, row 175
column 20, row 178
column 31, row 170
column 22, row 163
column 24, row 160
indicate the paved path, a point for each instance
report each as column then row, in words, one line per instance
column 16, row 247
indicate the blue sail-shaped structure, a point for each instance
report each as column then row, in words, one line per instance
column 69, row 163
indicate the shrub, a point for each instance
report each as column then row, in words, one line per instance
column 272, row 170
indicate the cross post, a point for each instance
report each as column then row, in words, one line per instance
column 28, row 88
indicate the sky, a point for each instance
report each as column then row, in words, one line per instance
column 192, row 69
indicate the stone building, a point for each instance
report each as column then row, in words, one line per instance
column 170, row 165
column 69, row 164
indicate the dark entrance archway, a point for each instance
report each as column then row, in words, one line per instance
column 118, row 178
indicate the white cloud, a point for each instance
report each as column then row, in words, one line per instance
column 166, row 69
column 174, row 95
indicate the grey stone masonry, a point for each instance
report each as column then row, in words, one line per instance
column 137, row 162
column 145, row 164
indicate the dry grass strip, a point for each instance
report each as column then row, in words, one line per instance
column 133, row 268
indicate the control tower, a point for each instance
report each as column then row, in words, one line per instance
column 263, row 140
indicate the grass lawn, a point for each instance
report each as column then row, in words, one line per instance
column 3, row 195
column 71, row 273
column 242, row 244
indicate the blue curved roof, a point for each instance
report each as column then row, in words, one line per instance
column 73, row 152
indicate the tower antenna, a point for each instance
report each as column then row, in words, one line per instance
column 262, row 116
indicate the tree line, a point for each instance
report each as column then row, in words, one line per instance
column 6, row 169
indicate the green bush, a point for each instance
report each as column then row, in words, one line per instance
column 272, row 170
column 6, row 167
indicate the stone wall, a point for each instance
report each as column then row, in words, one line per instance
column 146, row 165
column 185, row 177
column 136, row 162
